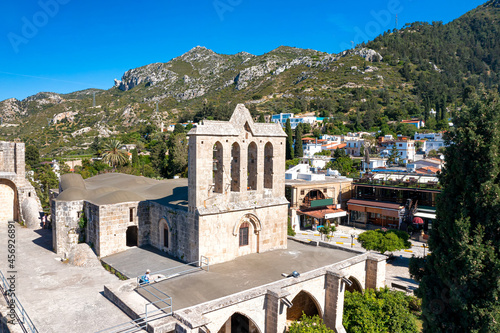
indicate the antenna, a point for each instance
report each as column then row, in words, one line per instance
column 93, row 100
column 396, row 21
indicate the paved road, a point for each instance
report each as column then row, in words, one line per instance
column 396, row 271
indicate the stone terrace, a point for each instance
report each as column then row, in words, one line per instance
column 245, row 272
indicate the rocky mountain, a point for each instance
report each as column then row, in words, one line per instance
column 201, row 70
column 402, row 73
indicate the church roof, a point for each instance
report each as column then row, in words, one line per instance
column 115, row 188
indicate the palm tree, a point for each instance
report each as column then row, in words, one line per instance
column 113, row 154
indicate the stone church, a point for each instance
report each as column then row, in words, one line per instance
column 18, row 199
column 232, row 204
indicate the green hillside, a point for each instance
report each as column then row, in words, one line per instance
column 400, row 74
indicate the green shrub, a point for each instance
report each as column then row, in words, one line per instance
column 378, row 311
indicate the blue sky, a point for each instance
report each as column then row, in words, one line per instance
column 68, row 45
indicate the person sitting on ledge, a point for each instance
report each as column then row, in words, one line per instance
column 145, row 278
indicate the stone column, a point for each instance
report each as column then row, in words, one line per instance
column 375, row 271
column 272, row 304
column 334, row 301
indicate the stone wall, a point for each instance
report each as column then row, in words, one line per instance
column 183, row 231
column 219, row 233
column 109, row 227
column 12, row 175
column 202, row 164
column 65, row 229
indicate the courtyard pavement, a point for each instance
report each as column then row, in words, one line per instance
column 246, row 272
column 58, row 297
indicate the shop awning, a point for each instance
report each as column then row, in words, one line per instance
column 425, row 215
column 328, row 213
column 376, row 207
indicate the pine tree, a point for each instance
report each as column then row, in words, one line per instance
column 460, row 279
column 289, row 140
column 299, row 151
column 394, row 154
column 135, row 159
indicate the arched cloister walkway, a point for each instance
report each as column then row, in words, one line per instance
column 239, row 323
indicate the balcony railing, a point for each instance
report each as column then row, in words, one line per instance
column 410, row 183
column 402, row 201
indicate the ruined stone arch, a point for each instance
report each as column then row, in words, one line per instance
column 9, row 204
column 303, row 302
column 250, row 218
column 268, row 165
column 165, row 234
column 252, row 163
column 239, row 322
column 218, row 168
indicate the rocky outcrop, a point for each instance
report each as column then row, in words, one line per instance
column 150, row 74
column 201, row 70
column 368, row 54
column 11, row 108
column 70, row 116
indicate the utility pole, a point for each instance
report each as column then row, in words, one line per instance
column 352, row 44
column 93, row 100
column 396, row 21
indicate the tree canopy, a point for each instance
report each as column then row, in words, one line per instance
column 32, row 156
column 378, row 311
column 298, row 151
column 113, row 154
column 459, row 284
column 289, row 140
column 384, row 241
column 309, row 325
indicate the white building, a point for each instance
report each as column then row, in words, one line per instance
column 294, row 121
column 311, row 148
column 354, row 146
column 303, row 171
column 406, row 150
column 433, row 141
column 375, row 163
column 281, row 118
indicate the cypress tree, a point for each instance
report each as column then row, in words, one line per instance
column 299, row 151
column 289, row 140
column 460, row 285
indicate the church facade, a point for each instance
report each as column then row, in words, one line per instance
column 232, row 204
